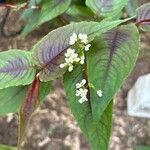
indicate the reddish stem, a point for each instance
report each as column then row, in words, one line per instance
column 8, row 6
column 143, row 21
column 15, row 7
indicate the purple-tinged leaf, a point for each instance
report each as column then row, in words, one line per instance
column 143, row 16
column 48, row 54
column 106, row 8
column 110, row 63
column 29, row 105
column 16, row 68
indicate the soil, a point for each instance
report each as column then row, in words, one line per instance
column 53, row 126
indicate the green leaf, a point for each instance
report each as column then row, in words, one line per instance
column 106, row 8
column 98, row 131
column 49, row 52
column 140, row 147
column 131, row 7
column 11, row 98
column 16, row 68
column 109, row 61
column 48, row 10
column 79, row 13
column 6, row 147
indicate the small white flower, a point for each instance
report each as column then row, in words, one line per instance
column 83, row 92
column 70, row 68
column 68, row 60
column 83, row 37
column 78, row 85
column 81, row 84
column 87, row 47
column 76, row 59
column 62, row 65
column 99, row 93
column 69, row 52
column 82, row 60
column 82, row 100
column 73, row 39
column 78, row 92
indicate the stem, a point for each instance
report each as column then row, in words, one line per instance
column 143, row 21
column 19, row 8
column 28, row 106
column 8, row 6
column 85, row 76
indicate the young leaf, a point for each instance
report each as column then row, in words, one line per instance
column 16, row 68
column 109, row 62
column 48, row 54
column 49, row 9
column 12, row 97
column 30, row 103
column 143, row 16
column 106, row 8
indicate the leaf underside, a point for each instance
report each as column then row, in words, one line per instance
column 109, row 61
column 49, row 52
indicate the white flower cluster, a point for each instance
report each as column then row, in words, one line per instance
column 70, row 56
column 81, row 91
column 82, row 37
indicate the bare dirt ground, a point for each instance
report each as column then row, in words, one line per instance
column 54, row 128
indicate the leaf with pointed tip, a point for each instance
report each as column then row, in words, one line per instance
column 16, row 68
column 106, row 8
column 12, row 97
column 109, row 61
column 49, row 9
column 48, row 54
column 143, row 16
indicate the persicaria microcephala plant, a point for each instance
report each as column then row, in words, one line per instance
column 93, row 51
